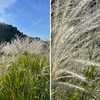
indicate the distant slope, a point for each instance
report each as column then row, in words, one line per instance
column 7, row 32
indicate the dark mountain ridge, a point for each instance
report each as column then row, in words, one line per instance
column 9, row 32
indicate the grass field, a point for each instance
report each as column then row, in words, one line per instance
column 24, row 76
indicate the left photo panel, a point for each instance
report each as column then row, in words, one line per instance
column 24, row 49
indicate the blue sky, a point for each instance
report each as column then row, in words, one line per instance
column 31, row 17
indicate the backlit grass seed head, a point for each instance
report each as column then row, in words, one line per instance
column 75, row 48
column 22, row 45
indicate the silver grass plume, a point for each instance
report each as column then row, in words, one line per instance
column 75, row 38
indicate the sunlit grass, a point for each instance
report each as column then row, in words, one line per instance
column 24, row 70
column 27, row 78
column 75, row 49
column 81, row 83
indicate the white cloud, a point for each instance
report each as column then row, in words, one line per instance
column 4, row 4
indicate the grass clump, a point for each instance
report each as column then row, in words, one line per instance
column 26, row 78
column 80, row 82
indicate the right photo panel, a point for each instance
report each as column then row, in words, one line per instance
column 75, row 49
